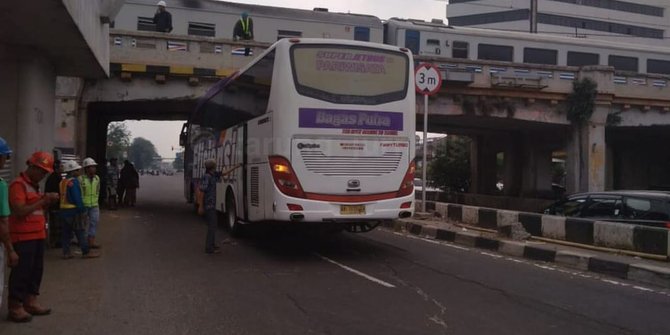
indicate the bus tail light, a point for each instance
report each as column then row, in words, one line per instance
column 407, row 185
column 294, row 207
column 667, row 224
column 284, row 177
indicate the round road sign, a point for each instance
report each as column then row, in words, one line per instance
column 427, row 79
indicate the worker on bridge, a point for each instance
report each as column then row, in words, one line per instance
column 163, row 18
column 6, row 247
column 244, row 30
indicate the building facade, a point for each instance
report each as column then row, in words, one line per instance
column 628, row 21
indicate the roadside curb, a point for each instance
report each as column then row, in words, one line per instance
column 585, row 261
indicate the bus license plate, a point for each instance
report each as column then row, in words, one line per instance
column 352, row 209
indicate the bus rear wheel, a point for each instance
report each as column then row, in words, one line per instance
column 230, row 216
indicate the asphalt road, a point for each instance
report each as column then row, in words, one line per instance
column 154, row 278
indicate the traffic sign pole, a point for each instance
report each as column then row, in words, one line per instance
column 428, row 81
column 425, row 150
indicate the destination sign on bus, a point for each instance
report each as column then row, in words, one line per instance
column 349, row 119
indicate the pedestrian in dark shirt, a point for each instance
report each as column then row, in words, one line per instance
column 208, row 188
column 163, row 18
column 53, row 186
column 244, row 30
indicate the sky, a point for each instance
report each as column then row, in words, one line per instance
column 383, row 9
column 165, row 134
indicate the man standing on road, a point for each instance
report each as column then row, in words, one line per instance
column 52, row 185
column 5, row 241
column 112, row 181
column 90, row 189
column 208, row 187
column 72, row 211
column 163, row 18
column 27, row 231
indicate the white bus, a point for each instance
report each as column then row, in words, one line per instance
column 318, row 131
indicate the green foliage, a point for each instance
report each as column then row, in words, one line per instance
column 143, row 153
column 118, row 140
column 450, row 169
column 581, row 102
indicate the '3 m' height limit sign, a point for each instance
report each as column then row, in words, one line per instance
column 428, row 81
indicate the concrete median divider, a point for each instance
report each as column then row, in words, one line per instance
column 630, row 237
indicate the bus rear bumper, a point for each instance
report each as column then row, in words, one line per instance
column 337, row 212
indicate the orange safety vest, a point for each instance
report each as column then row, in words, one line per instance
column 32, row 226
column 64, row 202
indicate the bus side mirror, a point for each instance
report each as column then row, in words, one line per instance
column 183, row 136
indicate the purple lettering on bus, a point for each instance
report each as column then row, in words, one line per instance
column 349, row 119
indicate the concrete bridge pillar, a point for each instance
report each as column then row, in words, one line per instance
column 483, row 165
column 586, row 163
column 36, row 96
column 536, row 170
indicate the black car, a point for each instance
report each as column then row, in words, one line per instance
column 649, row 208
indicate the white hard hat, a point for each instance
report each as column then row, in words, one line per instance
column 161, row 3
column 69, row 166
column 88, row 161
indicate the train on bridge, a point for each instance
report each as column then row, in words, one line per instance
column 433, row 39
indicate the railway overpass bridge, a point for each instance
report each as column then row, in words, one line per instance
column 517, row 110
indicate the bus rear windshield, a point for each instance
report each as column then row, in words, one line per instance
column 349, row 74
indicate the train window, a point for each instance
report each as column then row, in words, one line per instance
column 362, row 34
column 201, row 29
column 623, row 63
column 495, row 52
column 459, row 50
column 413, row 41
column 540, row 56
column 146, row 24
column 658, row 66
column 433, row 42
column 582, row 58
column 288, row 34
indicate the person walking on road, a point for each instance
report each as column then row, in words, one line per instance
column 208, row 188
column 6, row 247
column 244, row 30
column 90, row 189
column 112, row 181
column 131, row 182
column 73, row 212
column 163, row 18
column 27, row 231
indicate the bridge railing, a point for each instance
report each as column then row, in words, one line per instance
column 212, row 56
column 178, row 51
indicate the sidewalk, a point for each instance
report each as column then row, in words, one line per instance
column 616, row 265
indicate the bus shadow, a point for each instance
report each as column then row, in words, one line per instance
column 296, row 244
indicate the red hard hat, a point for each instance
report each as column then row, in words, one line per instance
column 42, row 160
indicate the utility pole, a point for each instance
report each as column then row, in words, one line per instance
column 533, row 16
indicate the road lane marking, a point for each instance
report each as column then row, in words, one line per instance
column 543, row 267
column 366, row 276
column 432, row 241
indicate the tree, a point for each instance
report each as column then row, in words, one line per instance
column 450, row 169
column 118, row 140
column 142, row 153
column 580, row 105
